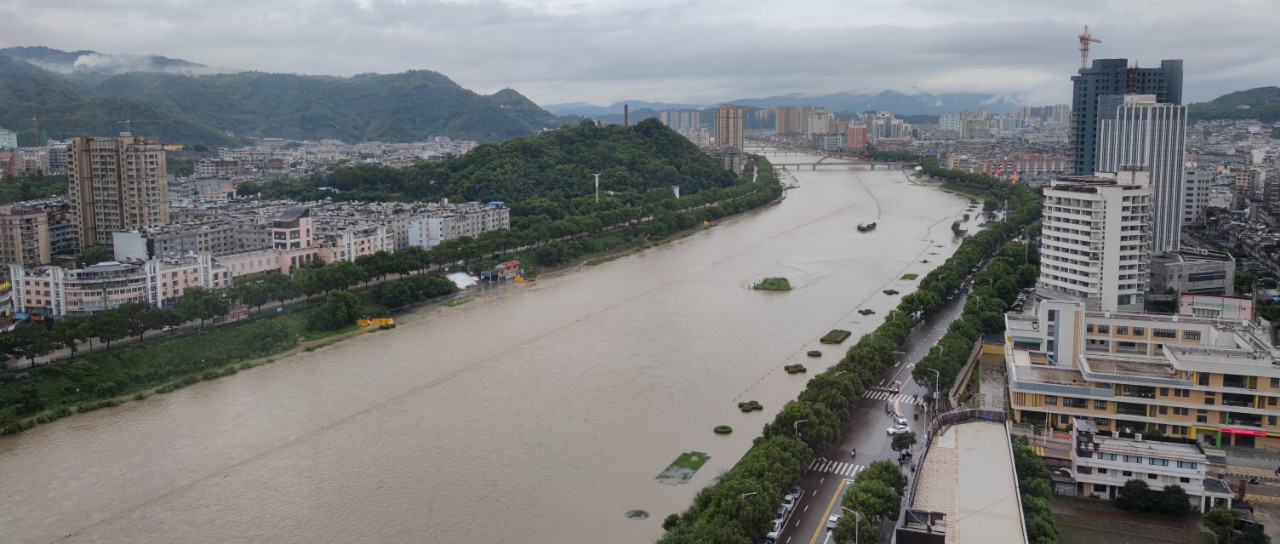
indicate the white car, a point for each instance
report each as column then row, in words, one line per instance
column 900, row 419
column 832, row 521
column 895, row 387
column 789, row 501
column 899, row 429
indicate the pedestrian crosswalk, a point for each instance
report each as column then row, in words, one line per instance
column 880, row 394
column 835, row 467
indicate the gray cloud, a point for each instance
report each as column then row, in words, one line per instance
column 706, row 51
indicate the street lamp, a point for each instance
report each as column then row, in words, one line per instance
column 745, row 495
column 857, row 520
column 796, row 425
column 937, row 379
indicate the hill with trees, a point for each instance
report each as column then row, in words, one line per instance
column 183, row 106
column 555, row 165
column 1262, row 103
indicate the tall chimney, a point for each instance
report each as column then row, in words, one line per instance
column 626, row 115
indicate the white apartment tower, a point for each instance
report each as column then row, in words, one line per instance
column 116, row 184
column 1196, row 182
column 1095, row 245
column 1135, row 131
column 729, row 127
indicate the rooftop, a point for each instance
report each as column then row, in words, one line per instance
column 968, row 476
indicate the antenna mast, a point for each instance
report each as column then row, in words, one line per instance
column 1084, row 47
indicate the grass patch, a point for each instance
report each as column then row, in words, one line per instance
column 454, row 303
column 835, row 336
column 685, row 466
column 750, row 406
column 321, row 335
column 772, row 284
column 814, row 353
column 910, row 277
column 795, row 369
column 601, row 260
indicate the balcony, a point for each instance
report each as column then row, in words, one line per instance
column 1138, row 392
column 1242, row 401
column 1127, row 409
column 1239, row 419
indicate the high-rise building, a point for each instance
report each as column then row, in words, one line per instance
column 1137, row 132
column 786, row 120
column 1110, row 77
column 8, row 139
column 729, row 127
column 1094, row 243
column 24, row 235
column 856, row 140
column 1196, row 182
column 116, row 184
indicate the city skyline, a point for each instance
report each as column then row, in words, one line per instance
column 602, row 52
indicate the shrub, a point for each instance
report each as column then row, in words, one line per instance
column 1174, row 501
column 890, row 292
column 795, row 369
column 723, row 429
column 866, row 311
column 1136, row 496
column 773, row 284
column 814, row 353
column 750, row 406
column 835, row 336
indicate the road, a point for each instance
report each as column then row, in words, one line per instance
column 830, row 475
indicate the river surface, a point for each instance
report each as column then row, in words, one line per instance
column 536, row 413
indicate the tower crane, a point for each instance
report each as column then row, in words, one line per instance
column 1084, row 47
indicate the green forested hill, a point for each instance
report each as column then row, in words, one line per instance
column 556, row 164
column 65, row 110
column 1262, row 103
column 200, row 109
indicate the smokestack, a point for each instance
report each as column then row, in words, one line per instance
column 626, row 115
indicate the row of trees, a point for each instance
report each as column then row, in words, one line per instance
column 725, row 512
column 1035, row 484
column 876, row 495
column 37, row 339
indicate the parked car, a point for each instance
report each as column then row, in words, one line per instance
column 899, row 429
column 832, row 521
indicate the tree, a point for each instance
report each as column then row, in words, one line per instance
column 886, row 471
column 139, row 317
column 93, row 255
column 251, row 290
column 1174, row 501
column 33, row 340
column 109, row 325
column 1221, row 520
column 871, row 496
column 71, row 330
column 200, row 303
column 338, row 310
column 903, row 442
column 1136, row 496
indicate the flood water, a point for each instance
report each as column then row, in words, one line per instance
column 536, row 413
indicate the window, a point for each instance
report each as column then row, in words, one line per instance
column 1102, row 471
column 1184, row 480
column 1164, row 333
column 1158, row 462
column 1271, row 401
column 1107, row 456
column 1102, row 404
column 1050, row 400
column 1271, row 420
column 1190, row 335
column 1275, row 383
column 1126, row 473
column 1104, row 329
column 1164, row 410
column 1202, row 378
column 1088, row 328
column 1188, row 464
column 1139, row 331
column 1209, row 401
column 1164, row 391
column 1122, row 330
column 1152, row 476
column 1202, row 419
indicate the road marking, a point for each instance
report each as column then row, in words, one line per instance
column 806, row 509
column 822, row 521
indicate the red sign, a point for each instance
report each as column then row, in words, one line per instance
column 1245, row 431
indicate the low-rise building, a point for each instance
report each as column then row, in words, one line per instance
column 469, row 219
column 1216, row 381
column 56, row 291
column 1102, row 462
column 1198, row 272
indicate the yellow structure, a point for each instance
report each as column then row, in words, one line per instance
column 375, row 321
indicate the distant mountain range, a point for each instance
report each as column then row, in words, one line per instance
column 89, row 93
column 892, row 101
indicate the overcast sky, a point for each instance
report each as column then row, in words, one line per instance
column 694, row 51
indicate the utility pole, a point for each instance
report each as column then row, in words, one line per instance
column 597, row 188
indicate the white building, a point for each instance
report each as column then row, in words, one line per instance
column 1196, row 187
column 8, row 139
column 470, row 219
column 1094, row 244
column 1139, row 132
column 1102, row 463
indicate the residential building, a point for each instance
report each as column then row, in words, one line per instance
column 55, row 291
column 883, row 125
column 1094, row 245
column 1196, row 188
column 729, row 127
column 469, row 219
column 1110, row 77
column 1212, row 380
column 349, row 243
column 212, row 168
column 856, row 140
column 116, row 184
column 1102, row 462
column 1135, row 131
column 8, row 139
column 24, row 236
column 786, row 120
